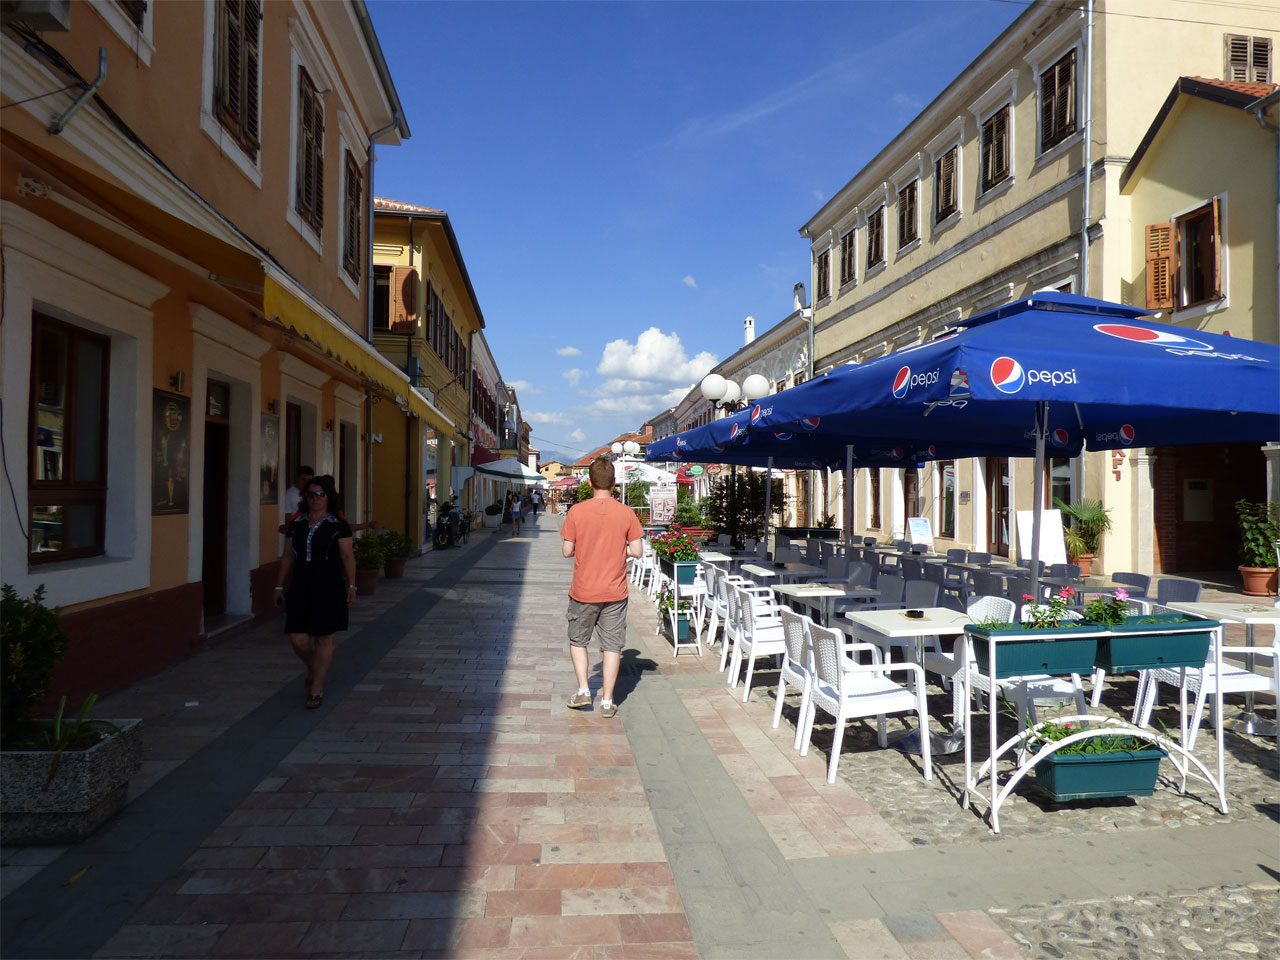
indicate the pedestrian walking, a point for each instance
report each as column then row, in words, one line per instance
column 515, row 514
column 599, row 534
column 293, row 501
column 319, row 568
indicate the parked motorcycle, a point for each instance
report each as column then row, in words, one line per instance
column 452, row 525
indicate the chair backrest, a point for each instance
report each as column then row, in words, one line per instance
column 903, row 545
column 722, row 587
column 723, row 540
column 859, row 574
column 746, row 614
column 1016, row 589
column 787, row 555
column 979, row 556
column 988, row 584
column 1173, row 590
column 762, row 549
column 812, row 550
column 890, row 587
column 793, row 636
column 935, row 573
column 827, row 655
column 868, row 541
column 837, row 567
column 919, row 548
column 750, row 544
column 920, row 593
column 957, row 555
column 779, row 541
column 987, row 608
column 711, row 573
column 1071, row 570
column 911, row 569
column 827, row 550
column 733, row 597
column 853, row 553
column 1033, row 567
column 1139, row 580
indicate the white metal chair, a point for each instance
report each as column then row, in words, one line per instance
column 1201, row 681
column 848, row 690
column 759, row 635
column 797, row 667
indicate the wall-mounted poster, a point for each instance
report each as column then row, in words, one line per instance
column 170, row 452
column 270, row 473
column 326, row 453
column 662, row 503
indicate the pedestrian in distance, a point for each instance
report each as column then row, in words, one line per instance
column 599, row 534
column 319, row 568
column 515, row 514
column 293, row 501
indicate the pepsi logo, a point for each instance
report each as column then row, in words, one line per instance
column 1159, row 338
column 733, row 432
column 1007, row 375
column 810, row 423
column 755, row 413
column 896, row 453
column 902, row 382
column 933, row 451
column 1059, row 438
column 782, row 436
column 1125, row 434
column 818, row 463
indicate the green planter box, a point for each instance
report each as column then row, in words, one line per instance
column 1084, row 776
column 1174, row 640
column 683, row 630
column 1026, row 650
column 683, row 572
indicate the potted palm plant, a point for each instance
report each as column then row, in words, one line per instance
column 370, row 558
column 1090, row 520
column 1259, row 537
column 60, row 778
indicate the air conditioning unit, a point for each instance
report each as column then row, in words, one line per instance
column 39, row 15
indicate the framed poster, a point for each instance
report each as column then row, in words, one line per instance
column 170, row 452
column 662, row 503
column 326, row 453
column 270, row 473
column 919, row 530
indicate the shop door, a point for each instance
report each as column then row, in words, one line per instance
column 998, row 506
column 217, row 454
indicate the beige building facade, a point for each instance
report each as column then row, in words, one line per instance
column 982, row 199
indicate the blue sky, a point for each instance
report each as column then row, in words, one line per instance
column 627, row 180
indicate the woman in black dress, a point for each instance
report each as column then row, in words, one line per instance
column 319, row 557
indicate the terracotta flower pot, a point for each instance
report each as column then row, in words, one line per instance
column 394, row 568
column 366, row 582
column 1258, row 581
column 1085, row 562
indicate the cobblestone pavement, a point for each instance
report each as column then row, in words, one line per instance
column 444, row 803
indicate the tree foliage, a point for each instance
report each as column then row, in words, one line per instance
column 740, row 498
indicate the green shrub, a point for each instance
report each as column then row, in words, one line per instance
column 33, row 643
column 369, row 553
column 394, row 544
column 1259, row 530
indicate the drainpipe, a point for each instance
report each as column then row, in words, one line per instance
column 1088, row 149
column 60, row 123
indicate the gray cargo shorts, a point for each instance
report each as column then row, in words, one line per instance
column 611, row 618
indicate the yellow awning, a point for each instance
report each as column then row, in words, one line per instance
column 331, row 335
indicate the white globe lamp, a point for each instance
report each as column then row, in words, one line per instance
column 755, row 387
column 713, row 387
column 732, row 393
column 616, row 447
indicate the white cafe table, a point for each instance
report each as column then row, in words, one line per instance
column 1249, row 614
column 895, row 624
column 712, row 556
column 808, row 591
column 783, row 571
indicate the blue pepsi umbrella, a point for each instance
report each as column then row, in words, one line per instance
column 1054, row 368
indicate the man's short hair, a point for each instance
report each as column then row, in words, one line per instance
column 304, row 472
column 601, row 473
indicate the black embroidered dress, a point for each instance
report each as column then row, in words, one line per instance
column 317, row 600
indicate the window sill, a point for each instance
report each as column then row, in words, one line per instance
column 135, row 37
column 1058, row 149
column 230, row 149
column 847, row 286
column 1197, row 310
column 305, row 229
column 911, row 244
column 1000, row 188
column 350, row 284
column 874, row 271
column 947, row 222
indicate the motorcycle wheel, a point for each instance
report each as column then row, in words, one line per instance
column 441, row 540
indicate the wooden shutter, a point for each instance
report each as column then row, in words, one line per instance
column 1217, row 292
column 404, row 297
column 1260, row 60
column 1065, row 105
column 230, row 38
column 1048, row 107
column 431, row 314
column 1001, row 152
column 1160, row 266
column 393, row 299
column 354, row 201
column 945, row 185
column 251, row 21
column 1235, row 57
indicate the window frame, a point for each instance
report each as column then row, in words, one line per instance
column 875, row 239
column 1215, row 209
column 1250, row 68
column 988, row 181
column 822, row 275
column 249, row 164
column 913, row 220
column 244, row 127
column 1000, row 97
column 68, row 492
column 352, row 247
column 308, row 144
column 874, row 517
column 848, row 258
column 138, row 36
column 1048, row 138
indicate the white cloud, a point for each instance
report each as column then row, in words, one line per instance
column 574, row 376
column 656, row 357
column 556, row 418
column 569, row 352
column 690, row 282
column 637, row 404
column 577, row 436
column 906, row 101
column 523, row 386
column 819, row 196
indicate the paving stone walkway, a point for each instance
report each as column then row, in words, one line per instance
column 444, row 802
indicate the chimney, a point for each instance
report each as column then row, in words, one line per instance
column 748, row 330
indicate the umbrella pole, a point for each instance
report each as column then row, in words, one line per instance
column 1042, row 428
column 848, row 488
column 768, row 502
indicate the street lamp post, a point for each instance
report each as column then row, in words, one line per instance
column 728, row 396
column 621, row 450
column 806, row 314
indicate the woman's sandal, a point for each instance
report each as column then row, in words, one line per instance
column 314, row 700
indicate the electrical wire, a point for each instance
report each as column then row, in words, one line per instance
column 13, row 494
column 1117, row 13
column 41, row 96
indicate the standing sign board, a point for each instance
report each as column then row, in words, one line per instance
column 1052, row 549
column 919, row 530
column 662, row 503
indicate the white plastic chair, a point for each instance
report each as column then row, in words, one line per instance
column 737, row 592
column 847, row 690
column 759, row 635
column 1201, row 681
column 796, row 667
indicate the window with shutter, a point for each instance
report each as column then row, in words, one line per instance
column 353, row 202
column 309, row 162
column 846, row 258
column 944, row 185
column 236, row 58
column 382, row 312
column 404, row 292
column 1197, row 245
column 907, row 230
column 1058, row 102
column 1160, row 266
column 995, row 149
column 823, row 289
column 135, row 10
column 431, row 315
column 875, row 238
column 1246, row 59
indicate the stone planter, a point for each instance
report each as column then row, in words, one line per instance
column 87, row 789
column 492, row 519
column 1084, row 776
column 1085, row 563
column 393, row 569
column 366, row 582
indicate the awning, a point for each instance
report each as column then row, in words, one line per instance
column 483, row 455
column 293, row 307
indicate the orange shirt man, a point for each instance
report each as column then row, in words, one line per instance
column 599, row 534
